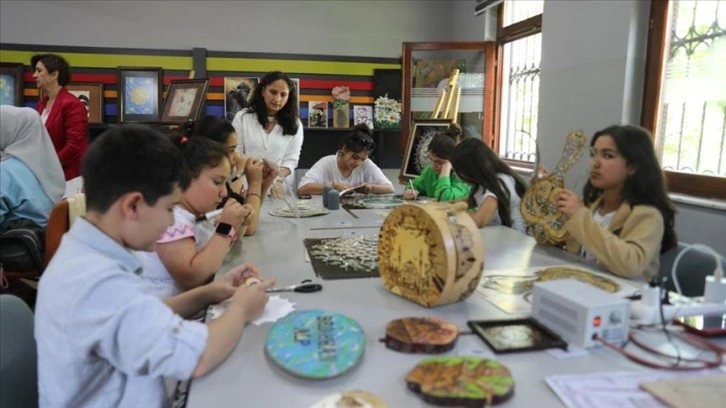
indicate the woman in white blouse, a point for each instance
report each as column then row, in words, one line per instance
column 349, row 167
column 270, row 127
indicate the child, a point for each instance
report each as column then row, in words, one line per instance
column 348, row 168
column 101, row 341
column 496, row 189
column 436, row 180
column 626, row 219
column 191, row 251
column 259, row 176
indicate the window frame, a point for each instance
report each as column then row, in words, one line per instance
column 698, row 185
column 516, row 31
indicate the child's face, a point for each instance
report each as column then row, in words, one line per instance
column 153, row 221
column 208, row 190
column 231, row 146
column 608, row 169
column 436, row 162
column 353, row 160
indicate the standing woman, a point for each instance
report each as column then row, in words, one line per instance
column 270, row 127
column 63, row 114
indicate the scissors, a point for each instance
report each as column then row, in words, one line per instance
column 306, row 286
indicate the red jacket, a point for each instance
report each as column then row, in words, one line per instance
column 67, row 125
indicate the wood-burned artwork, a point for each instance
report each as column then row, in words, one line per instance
column 539, row 202
column 350, row 399
column 461, row 381
column 315, row 344
column 431, row 254
column 429, row 335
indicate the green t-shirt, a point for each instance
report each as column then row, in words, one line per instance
column 440, row 188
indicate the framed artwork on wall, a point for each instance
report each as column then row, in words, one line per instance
column 237, row 93
column 184, row 100
column 139, row 94
column 363, row 114
column 317, row 114
column 11, row 84
column 91, row 95
column 416, row 157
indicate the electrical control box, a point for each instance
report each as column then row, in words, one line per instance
column 579, row 312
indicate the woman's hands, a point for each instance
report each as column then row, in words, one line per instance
column 568, row 202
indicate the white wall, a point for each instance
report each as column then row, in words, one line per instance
column 357, row 28
column 593, row 59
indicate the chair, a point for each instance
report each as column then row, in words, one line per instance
column 693, row 267
column 58, row 224
column 18, row 356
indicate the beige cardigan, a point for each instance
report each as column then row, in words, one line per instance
column 629, row 247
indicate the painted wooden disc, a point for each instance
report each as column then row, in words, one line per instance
column 421, row 335
column 315, row 344
column 350, row 399
column 461, row 381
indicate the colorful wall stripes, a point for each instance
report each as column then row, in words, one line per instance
column 318, row 74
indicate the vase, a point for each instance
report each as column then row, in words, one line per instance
column 341, row 116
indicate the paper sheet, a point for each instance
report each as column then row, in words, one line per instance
column 276, row 309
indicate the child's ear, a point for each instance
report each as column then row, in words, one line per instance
column 130, row 204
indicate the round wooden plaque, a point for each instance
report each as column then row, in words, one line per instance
column 431, row 253
column 315, row 344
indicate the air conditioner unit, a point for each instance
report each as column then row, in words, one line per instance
column 484, row 5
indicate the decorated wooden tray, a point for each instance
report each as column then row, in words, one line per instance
column 372, row 202
column 430, row 253
column 561, row 272
column 344, row 257
column 429, row 335
column 466, row 381
column 539, row 202
column 350, row 399
column 315, row 344
column 303, row 211
column 516, row 335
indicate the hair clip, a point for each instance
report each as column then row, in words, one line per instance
column 183, row 139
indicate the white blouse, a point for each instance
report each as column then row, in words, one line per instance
column 514, row 202
column 326, row 171
column 253, row 141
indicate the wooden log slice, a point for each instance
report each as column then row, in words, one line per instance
column 429, row 335
column 350, row 399
column 466, row 381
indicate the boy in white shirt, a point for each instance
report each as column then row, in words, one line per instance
column 101, row 340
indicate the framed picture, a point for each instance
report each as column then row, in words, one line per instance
column 417, row 151
column 317, row 114
column 91, row 95
column 237, row 93
column 139, row 94
column 296, row 82
column 11, row 84
column 184, row 100
column 363, row 114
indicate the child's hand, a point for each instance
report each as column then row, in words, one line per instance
column 221, row 289
column 568, row 202
column 340, row 186
column 253, row 299
column 239, row 161
column 410, row 194
column 445, row 168
column 366, row 188
column 250, row 210
column 253, row 170
column 233, row 213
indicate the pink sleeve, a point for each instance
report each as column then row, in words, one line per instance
column 175, row 233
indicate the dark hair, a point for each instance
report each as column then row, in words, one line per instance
column 647, row 186
column 359, row 139
column 287, row 117
column 53, row 63
column 442, row 145
column 131, row 158
column 477, row 164
column 454, row 131
column 211, row 127
column 199, row 152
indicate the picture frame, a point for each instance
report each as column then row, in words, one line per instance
column 317, row 114
column 91, row 95
column 237, row 94
column 363, row 114
column 11, row 84
column 416, row 157
column 139, row 94
column 184, row 100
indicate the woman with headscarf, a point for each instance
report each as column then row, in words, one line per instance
column 30, row 172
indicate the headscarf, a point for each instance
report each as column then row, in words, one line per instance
column 23, row 136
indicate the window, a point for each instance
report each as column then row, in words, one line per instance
column 684, row 102
column 519, row 37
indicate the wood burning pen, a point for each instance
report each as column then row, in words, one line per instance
column 210, row 215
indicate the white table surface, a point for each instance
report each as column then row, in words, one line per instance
column 249, row 379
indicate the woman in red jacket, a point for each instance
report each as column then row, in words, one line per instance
column 63, row 114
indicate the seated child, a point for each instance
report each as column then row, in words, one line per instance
column 191, row 251
column 496, row 189
column 626, row 219
column 257, row 173
column 437, row 181
column 349, row 167
column 103, row 342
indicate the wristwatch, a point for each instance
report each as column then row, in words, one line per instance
column 225, row 229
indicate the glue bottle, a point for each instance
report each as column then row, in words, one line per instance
column 333, row 199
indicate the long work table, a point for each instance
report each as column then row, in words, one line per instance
column 249, row 379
